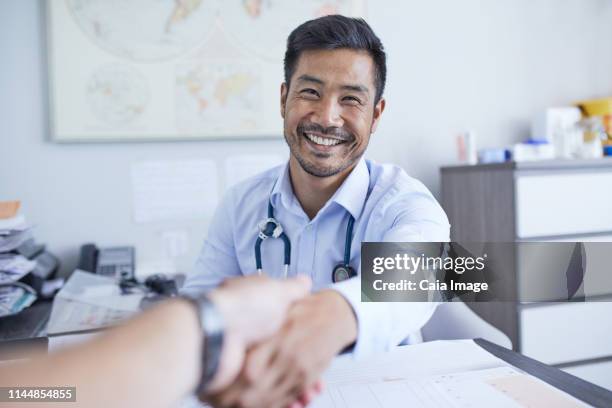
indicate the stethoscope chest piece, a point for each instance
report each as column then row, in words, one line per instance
column 342, row 273
column 269, row 228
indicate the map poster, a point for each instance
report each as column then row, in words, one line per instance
column 145, row 70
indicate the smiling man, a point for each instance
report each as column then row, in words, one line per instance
column 321, row 205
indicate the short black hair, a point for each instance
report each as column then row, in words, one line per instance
column 335, row 32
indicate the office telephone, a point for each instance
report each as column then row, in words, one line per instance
column 117, row 262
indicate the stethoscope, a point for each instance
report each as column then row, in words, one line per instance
column 271, row 228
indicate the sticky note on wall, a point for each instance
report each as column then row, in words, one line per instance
column 8, row 209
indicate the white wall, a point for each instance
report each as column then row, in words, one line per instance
column 453, row 65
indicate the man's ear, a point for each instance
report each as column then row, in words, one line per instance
column 378, row 110
column 283, row 98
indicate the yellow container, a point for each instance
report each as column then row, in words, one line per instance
column 599, row 107
column 596, row 107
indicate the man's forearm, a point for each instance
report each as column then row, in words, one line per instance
column 345, row 326
column 153, row 361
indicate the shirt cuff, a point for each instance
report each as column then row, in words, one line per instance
column 373, row 325
column 382, row 326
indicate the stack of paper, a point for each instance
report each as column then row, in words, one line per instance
column 14, row 298
column 14, row 231
column 14, row 267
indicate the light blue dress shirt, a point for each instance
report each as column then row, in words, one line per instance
column 387, row 204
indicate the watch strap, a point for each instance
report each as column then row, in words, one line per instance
column 211, row 323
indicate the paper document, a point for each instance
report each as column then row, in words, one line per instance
column 14, row 240
column 88, row 301
column 450, row 373
column 502, row 387
column 69, row 316
column 14, row 267
column 11, row 225
column 174, row 190
column 435, row 374
column 14, row 298
column 98, row 290
column 241, row 167
column 424, row 359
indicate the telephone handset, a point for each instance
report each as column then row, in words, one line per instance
column 117, row 262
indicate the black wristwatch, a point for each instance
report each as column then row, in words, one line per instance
column 211, row 323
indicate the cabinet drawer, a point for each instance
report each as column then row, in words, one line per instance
column 596, row 373
column 562, row 333
column 563, row 204
column 542, row 265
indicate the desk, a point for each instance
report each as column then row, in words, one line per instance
column 87, row 302
column 576, row 387
column 30, row 322
column 453, row 373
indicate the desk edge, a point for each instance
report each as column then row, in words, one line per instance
column 583, row 390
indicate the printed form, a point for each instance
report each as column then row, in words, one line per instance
column 450, row 373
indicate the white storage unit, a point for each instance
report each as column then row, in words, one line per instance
column 567, row 203
column 556, row 200
column 598, row 373
column 567, row 332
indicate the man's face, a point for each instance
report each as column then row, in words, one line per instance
column 329, row 110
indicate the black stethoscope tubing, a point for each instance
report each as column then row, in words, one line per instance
column 271, row 228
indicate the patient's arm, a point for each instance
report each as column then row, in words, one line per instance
column 155, row 359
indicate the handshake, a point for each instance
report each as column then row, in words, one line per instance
column 278, row 341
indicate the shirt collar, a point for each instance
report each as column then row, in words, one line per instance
column 353, row 192
column 282, row 189
column 351, row 195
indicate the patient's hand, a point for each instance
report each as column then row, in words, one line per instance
column 253, row 308
column 285, row 368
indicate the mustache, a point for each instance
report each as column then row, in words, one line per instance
column 336, row 132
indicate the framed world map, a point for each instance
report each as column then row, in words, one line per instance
column 142, row 70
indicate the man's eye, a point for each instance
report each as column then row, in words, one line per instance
column 309, row 91
column 352, row 99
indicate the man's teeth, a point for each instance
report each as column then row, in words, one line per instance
column 324, row 141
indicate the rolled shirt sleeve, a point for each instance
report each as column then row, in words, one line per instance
column 217, row 260
column 384, row 325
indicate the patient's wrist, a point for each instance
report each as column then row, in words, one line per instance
column 212, row 326
column 345, row 321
